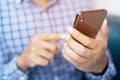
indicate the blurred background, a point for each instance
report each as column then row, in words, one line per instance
column 113, row 18
column 113, row 6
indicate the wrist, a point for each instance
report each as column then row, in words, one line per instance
column 21, row 64
column 103, row 68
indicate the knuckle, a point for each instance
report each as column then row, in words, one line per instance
column 88, row 42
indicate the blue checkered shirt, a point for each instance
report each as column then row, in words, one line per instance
column 20, row 20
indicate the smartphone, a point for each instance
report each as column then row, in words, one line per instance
column 89, row 22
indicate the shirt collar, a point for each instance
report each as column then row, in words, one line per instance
column 20, row 1
column 17, row 1
column 52, row 3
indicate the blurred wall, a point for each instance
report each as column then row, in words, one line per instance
column 113, row 6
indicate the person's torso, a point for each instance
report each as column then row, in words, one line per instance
column 20, row 22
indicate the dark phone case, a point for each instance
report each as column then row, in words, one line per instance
column 89, row 22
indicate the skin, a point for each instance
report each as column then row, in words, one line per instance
column 40, row 51
column 42, row 3
column 88, row 54
column 43, row 43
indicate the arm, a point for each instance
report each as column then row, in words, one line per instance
column 9, row 70
column 88, row 54
column 37, row 53
column 108, row 74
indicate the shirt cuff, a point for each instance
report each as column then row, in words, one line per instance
column 12, row 72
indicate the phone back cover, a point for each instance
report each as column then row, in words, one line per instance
column 89, row 22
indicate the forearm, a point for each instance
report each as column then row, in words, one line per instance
column 10, row 71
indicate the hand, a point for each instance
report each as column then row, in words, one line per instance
column 40, row 51
column 87, row 54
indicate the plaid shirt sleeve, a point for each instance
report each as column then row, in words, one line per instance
column 10, row 71
column 109, row 73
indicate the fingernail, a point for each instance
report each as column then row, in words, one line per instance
column 70, row 30
column 63, row 36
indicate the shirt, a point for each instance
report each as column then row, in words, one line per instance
column 20, row 20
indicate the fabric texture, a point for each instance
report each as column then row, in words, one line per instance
column 20, row 20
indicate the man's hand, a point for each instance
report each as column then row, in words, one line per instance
column 87, row 54
column 40, row 51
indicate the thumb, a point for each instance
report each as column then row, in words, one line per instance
column 104, row 28
column 103, row 32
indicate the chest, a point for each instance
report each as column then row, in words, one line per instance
column 21, row 22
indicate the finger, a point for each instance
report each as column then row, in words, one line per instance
column 56, row 43
column 104, row 30
column 83, row 39
column 45, row 45
column 102, row 35
column 41, row 61
column 53, row 47
column 46, row 54
column 72, row 55
column 80, row 67
column 104, row 26
column 54, row 37
column 78, row 48
column 69, row 59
